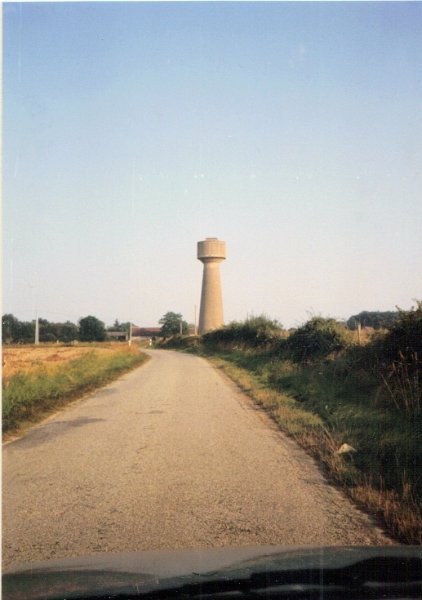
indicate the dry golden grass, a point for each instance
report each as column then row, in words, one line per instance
column 24, row 359
column 44, row 378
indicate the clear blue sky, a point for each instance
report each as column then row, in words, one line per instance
column 132, row 130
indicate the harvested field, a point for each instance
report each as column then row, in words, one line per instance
column 40, row 379
column 24, row 359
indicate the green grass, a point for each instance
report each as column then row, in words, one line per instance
column 389, row 441
column 325, row 405
column 28, row 396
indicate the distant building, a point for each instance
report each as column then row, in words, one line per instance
column 146, row 332
column 121, row 336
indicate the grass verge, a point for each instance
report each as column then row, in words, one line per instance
column 322, row 409
column 28, row 397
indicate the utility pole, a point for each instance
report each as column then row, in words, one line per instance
column 37, row 330
column 195, row 328
column 181, row 327
column 130, row 334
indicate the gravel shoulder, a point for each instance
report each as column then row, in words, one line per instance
column 171, row 455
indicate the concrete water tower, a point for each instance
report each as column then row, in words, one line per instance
column 211, row 252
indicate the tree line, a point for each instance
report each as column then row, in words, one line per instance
column 375, row 319
column 91, row 329
column 88, row 329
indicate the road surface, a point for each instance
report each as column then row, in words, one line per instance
column 172, row 455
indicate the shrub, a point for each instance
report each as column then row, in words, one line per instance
column 401, row 360
column 405, row 336
column 255, row 332
column 394, row 359
column 182, row 342
column 48, row 337
column 315, row 340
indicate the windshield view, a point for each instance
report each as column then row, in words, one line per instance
column 212, row 315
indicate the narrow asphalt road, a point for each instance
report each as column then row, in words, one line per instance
column 171, row 455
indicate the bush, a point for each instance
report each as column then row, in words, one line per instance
column 254, row 332
column 316, row 340
column 394, row 360
column 180, row 342
column 405, row 336
column 48, row 337
column 400, row 358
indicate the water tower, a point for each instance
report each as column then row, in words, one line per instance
column 211, row 252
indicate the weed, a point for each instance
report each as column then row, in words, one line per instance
column 403, row 382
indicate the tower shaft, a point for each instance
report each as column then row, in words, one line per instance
column 211, row 252
column 211, row 311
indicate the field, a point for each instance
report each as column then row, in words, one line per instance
column 39, row 379
column 24, row 359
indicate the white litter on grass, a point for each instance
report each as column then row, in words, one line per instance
column 345, row 449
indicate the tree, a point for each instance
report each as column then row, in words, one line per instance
column 117, row 326
column 22, row 331
column 10, row 328
column 91, row 329
column 170, row 324
column 68, row 332
column 14, row 330
column 48, row 331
